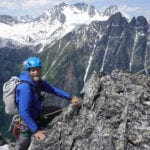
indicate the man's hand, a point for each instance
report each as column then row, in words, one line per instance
column 40, row 135
column 75, row 101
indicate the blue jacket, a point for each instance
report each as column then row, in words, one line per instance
column 28, row 102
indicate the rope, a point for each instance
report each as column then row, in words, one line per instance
column 62, row 109
column 139, row 72
column 54, row 112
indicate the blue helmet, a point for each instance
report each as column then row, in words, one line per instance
column 32, row 62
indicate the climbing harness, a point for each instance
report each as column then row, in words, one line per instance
column 18, row 123
column 19, row 127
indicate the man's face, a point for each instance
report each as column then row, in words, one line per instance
column 35, row 73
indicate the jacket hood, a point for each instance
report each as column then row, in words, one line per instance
column 25, row 76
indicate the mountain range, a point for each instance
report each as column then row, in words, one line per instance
column 51, row 25
column 73, row 41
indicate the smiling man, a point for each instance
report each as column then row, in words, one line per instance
column 28, row 95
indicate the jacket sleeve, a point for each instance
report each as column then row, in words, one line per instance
column 24, row 95
column 54, row 90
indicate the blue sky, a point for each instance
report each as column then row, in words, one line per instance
column 36, row 7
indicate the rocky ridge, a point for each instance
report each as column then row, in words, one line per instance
column 113, row 115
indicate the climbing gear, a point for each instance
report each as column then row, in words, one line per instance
column 57, row 111
column 52, row 113
column 45, row 116
column 16, row 132
column 19, row 123
column 19, row 127
column 148, row 67
column 32, row 62
column 42, row 97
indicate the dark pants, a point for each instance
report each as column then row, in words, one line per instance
column 23, row 142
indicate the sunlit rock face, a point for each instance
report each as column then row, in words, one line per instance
column 113, row 115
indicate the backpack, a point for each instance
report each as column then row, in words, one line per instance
column 9, row 94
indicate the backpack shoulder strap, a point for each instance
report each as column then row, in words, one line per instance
column 31, row 86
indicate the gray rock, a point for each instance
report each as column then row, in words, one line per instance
column 114, row 115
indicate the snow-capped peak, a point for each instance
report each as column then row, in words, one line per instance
column 66, row 13
column 111, row 10
column 52, row 24
column 24, row 19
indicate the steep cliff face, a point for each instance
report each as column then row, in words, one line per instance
column 113, row 115
column 102, row 46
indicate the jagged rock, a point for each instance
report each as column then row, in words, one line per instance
column 114, row 115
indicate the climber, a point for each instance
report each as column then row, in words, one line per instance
column 29, row 105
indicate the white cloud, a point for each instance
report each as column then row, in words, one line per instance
column 24, row 7
column 24, row 4
column 135, row 10
column 129, row 9
column 8, row 5
column 34, row 4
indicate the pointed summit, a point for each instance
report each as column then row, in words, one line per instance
column 111, row 10
column 86, row 8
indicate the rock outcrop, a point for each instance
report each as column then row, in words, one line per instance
column 114, row 115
